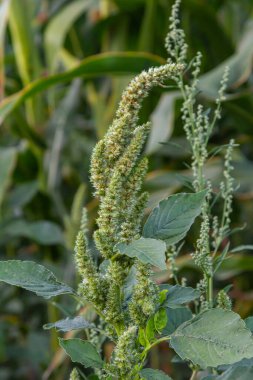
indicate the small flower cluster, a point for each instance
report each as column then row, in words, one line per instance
column 145, row 296
column 223, row 300
column 74, row 375
column 126, row 355
column 198, row 126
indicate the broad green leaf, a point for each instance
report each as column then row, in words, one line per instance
column 148, row 251
column 7, row 163
column 43, row 232
column 213, row 338
column 178, row 295
column 243, row 370
column 240, row 65
column 154, row 374
column 238, row 373
column 173, row 217
column 59, row 26
column 69, row 324
column 175, row 317
column 33, row 277
column 123, row 63
column 82, row 352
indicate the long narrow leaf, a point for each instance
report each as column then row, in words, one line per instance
column 101, row 64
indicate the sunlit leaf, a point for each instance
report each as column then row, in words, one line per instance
column 98, row 65
column 173, row 217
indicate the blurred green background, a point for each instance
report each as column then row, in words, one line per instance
column 63, row 66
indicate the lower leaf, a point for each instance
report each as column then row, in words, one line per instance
column 213, row 338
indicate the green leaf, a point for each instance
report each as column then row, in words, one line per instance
column 240, row 248
column 162, row 121
column 173, row 217
column 213, row 338
column 7, row 163
column 154, row 374
column 249, row 323
column 82, row 352
column 123, row 63
column 34, row 277
column 178, row 295
column 150, row 329
column 59, row 26
column 175, row 317
column 160, row 319
column 142, row 337
column 69, row 324
column 148, row 251
column 43, row 232
column 22, row 194
column 163, row 295
column 243, row 370
column 4, row 12
column 240, row 65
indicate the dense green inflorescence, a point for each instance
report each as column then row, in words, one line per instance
column 117, row 173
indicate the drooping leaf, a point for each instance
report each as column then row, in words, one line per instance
column 240, row 65
column 213, row 338
column 175, row 318
column 178, row 295
column 240, row 248
column 82, row 352
column 149, row 251
column 33, row 277
column 43, row 232
column 154, row 374
column 7, row 162
column 173, row 217
column 69, row 324
column 101, row 64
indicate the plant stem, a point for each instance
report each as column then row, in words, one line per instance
column 163, row 339
column 210, row 291
column 194, row 375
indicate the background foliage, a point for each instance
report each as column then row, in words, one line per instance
column 63, row 66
